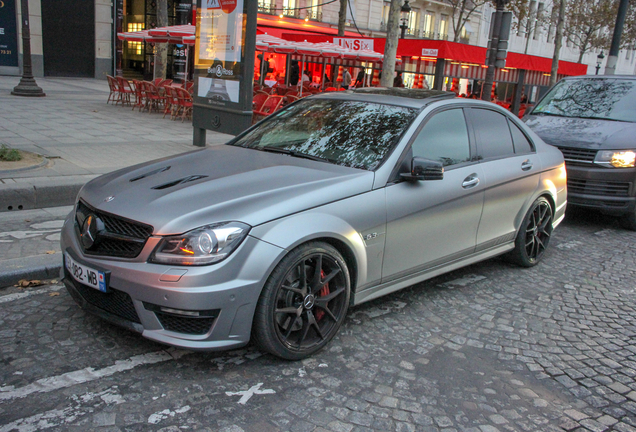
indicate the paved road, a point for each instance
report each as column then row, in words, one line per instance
column 488, row 348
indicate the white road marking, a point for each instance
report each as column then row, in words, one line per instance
column 569, row 245
column 49, row 224
column 162, row 415
column 88, row 374
column 17, row 296
column 468, row 279
column 55, row 418
column 54, row 237
column 21, row 235
column 247, row 394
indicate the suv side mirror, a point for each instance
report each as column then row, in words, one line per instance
column 424, row 169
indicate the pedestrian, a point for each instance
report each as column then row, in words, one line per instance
column 294, row 73
column 346, row 79
column 359, row 79
column 397, row 81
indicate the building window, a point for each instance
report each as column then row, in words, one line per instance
column 429, row 23
column 414, row 21
column 443, row 27
column 385, row 14
column 135, row 48
column 289, row 8
column 135, row 27
column 267, row 6
column 314, row 13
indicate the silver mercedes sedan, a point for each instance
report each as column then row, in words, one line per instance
column 337, row 199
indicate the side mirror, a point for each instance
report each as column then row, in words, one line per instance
column 424, row 169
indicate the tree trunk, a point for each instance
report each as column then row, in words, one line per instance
column 558, row 41
column 390, row 48
column 161, row 49
column 342, row 17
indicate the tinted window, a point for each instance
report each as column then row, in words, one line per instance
column 522, row 145
column 444, row 138
column 355, row 134
column 493, row 134
column 604, row 98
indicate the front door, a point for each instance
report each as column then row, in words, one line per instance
column 433, row 222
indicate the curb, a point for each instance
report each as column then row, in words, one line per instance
column 35, row 267
column 40, row 193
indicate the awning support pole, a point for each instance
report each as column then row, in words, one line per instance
column 322, row 76
column 439, row 74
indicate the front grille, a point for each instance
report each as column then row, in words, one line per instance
column 588, row 187
column 186, row 325
column 115, row 302
column 117, row 236
column 578, row 155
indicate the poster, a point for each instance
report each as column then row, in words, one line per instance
column 8, row 34
column 221, row 30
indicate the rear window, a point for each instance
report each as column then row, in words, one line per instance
column 350, row 133
column 597, row 98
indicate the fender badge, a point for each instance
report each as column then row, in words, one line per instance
column 110, row 198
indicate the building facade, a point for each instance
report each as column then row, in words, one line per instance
column 78, row 37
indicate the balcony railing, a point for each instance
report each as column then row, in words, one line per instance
column 314, row 15
column 267, row 8
column 291, row 12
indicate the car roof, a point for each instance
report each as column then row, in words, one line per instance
column 412, row 98
column 623, row 77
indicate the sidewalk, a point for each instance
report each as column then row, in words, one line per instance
column 82, row 137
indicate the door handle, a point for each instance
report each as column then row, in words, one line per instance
column 526, row 165
column 470, row 181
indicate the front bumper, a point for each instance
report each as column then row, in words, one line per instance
column 163, row 308
column 612, row 191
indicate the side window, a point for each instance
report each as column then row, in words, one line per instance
column 522, row 145
column 444, row 138
column 493, row 135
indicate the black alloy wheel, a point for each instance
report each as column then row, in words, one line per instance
column 534, row 234
column 304, row 302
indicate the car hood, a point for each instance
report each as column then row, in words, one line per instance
column 224, row 183
column 583, row 133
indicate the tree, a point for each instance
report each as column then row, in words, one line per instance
column 342, row 17
column 558, row 41
column 390, row 48
column 586, row 26
column 461, row 12
column 161, row 49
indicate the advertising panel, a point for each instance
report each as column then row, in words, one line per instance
column 224, row 65
column 8, row 35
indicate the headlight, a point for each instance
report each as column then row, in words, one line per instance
column 616, row 158
column 206, row 245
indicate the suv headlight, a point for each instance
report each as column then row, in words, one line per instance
column 206, row 245
column 616, row 158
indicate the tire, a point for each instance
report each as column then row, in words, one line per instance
column 296, row 315
column 534, row 234
column 628, row 221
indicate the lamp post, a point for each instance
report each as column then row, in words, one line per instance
column 405, row 10
column 599, row 60
column 27, row 85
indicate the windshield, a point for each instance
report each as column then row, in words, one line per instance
column 350, row 133
column 608, row 99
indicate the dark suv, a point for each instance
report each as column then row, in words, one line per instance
column 592, row 120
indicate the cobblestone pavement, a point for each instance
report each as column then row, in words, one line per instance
column 491, row 347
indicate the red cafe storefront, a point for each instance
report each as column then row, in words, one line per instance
column 454, row 66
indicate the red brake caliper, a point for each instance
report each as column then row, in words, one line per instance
column 323, row 292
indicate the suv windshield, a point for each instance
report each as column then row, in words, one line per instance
column 601, row 98
column 350, row 133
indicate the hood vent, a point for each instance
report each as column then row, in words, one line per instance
column 180, row 181
column 148, row 174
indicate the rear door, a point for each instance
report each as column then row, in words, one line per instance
column 512, row 172
column 433, row 222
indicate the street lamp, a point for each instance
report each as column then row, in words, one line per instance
column 599, row 60
column 405, row 10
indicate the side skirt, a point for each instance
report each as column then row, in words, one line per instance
column 383, row 289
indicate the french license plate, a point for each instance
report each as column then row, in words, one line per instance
column 84, row 274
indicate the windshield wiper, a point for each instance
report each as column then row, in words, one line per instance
column 293, row 153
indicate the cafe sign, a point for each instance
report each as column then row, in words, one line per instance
column 354, row 44
column 224, row 66
column 8, row 37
